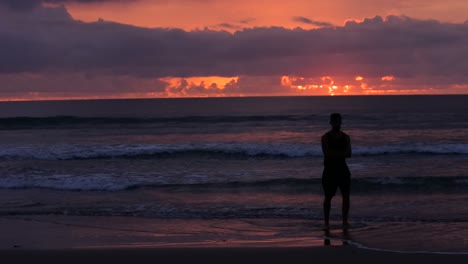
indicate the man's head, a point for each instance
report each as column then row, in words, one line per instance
column 335, row 121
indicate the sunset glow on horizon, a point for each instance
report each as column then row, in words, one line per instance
column 71, row 49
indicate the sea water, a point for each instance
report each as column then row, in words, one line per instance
column 244, row 158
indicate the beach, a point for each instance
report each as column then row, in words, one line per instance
column 60, row 239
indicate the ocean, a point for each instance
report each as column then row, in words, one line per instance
column 249, row 158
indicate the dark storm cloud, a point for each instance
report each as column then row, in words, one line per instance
column 305, row 20
column 21, row 5
column 25, row 5
column 398, row 46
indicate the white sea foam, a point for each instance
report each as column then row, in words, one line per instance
column 94, row 151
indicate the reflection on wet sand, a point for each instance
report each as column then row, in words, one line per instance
column 336, row 237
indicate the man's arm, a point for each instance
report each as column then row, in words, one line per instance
column 348, row 147
column 335, row 154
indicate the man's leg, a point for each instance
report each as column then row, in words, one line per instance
column 329, row 189
column 326, row 209
column 345, row 208
column 345, row 189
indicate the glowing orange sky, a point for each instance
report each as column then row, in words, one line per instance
column 191, row 14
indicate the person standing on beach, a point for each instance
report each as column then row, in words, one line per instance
column 336, row 148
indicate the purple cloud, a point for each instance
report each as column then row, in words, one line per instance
column 27, row 5
column 23, row 5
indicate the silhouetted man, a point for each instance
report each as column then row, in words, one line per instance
column 336, row 147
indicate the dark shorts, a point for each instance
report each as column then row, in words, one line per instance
column 331, row 183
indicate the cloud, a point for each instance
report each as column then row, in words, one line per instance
column 251, row 19
column 22, row 5
column 236, row 86
column 78, row 85
column 27, row 5
column 49, row 42
column 305, row 20
column 228, row 26
column 17, row 20
column 233, row 26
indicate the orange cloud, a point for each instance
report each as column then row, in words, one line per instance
column 325, row 85
column 197, row 86
column 388, row 78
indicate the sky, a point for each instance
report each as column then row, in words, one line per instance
column 91, row 49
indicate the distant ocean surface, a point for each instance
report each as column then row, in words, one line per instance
column 220, row 158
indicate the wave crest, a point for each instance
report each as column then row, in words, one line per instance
column 221, row 150
column 114, row 183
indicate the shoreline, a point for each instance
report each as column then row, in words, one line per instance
column 62, row 232
column 75, row 239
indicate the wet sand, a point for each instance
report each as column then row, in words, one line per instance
column 73, row 239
